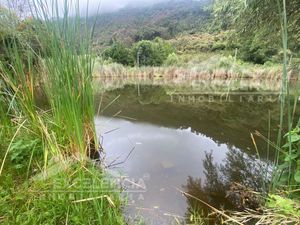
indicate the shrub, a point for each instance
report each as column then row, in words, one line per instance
column 120, row 54
column 258, row 53
column 171, row 60
column 218, row 46
column 152, row 53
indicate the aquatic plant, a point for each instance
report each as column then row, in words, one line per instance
column 46, row 146
column 67, row 39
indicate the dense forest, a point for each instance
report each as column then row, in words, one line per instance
column 197, row 26
column 164, row 20
column 183, row 27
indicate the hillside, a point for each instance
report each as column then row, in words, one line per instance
column 163, row 20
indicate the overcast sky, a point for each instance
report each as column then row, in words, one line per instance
column 105, row 5
column 113, row 5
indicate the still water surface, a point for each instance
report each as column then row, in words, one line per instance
column 162, row 145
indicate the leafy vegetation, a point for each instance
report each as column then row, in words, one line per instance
column 143, row 53
column 131, row 25
column 120, row 54
column 204, row 26
column 257, row 41
column 53, row 54
column 152, row 53
column 73, row 195
column 45, row 146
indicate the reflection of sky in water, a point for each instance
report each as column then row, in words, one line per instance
column 173, row 143
column 168, row 155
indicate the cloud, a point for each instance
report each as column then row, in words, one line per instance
column 93, row 5
column 107, row 5
column 114, row 5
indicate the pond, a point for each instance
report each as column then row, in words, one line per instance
column 162, row 143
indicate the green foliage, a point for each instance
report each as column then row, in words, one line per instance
column 197, row 217
column 172, row 59
column 146, row 53
column 163, row 48
column 150, row 33
column 118, row 53
column 8, row 22
column 257, row 51
column 256, row 40
column 21, row 151
column 152, row 53
column 289, row 169
column 8, row 28
column 226, row 13
column 200, row 42
column 283, row 205
column 4, row 105
column 52, row 200
column 66, row 129
column 143, row 53
column 14, row 31
column 163, row 20
column 68, row 75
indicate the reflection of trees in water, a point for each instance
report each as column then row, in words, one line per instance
column 220, row 189
column 243, row 169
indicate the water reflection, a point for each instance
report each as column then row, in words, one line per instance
column 162, row 161
column 225, row 122
column 204, row 149
column 224, row 186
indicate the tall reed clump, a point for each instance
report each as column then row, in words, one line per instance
column 18, row 109
column 287, row 173
column 72, row 192
column 66, row 40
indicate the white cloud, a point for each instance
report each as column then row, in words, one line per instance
column 107, row 5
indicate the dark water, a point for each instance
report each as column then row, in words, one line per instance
column 162, row 143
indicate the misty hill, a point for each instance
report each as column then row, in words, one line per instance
column 163, row 20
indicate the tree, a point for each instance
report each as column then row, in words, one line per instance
column 164, row 49
column 171, row 60
column 152, row 53
column 257, row 26
column 145, row 53
column 227, row 13
column 119, row 54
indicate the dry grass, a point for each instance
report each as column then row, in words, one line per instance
column 217, row 71
column 215, row 67
column 267, row 217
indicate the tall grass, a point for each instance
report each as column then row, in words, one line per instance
column 67, row 39
column 17, row 95
column 64, row 63
column 74, row 195
column 64, row 134
column 287, row 173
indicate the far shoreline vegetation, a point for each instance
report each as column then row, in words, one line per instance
column 52, row 164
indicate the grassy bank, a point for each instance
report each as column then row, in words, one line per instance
column 46, row 172
column 202, row 65
column 72, row 195
column 216, row 70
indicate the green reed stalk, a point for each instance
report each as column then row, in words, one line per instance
column 285, row 107
column 68, row 72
